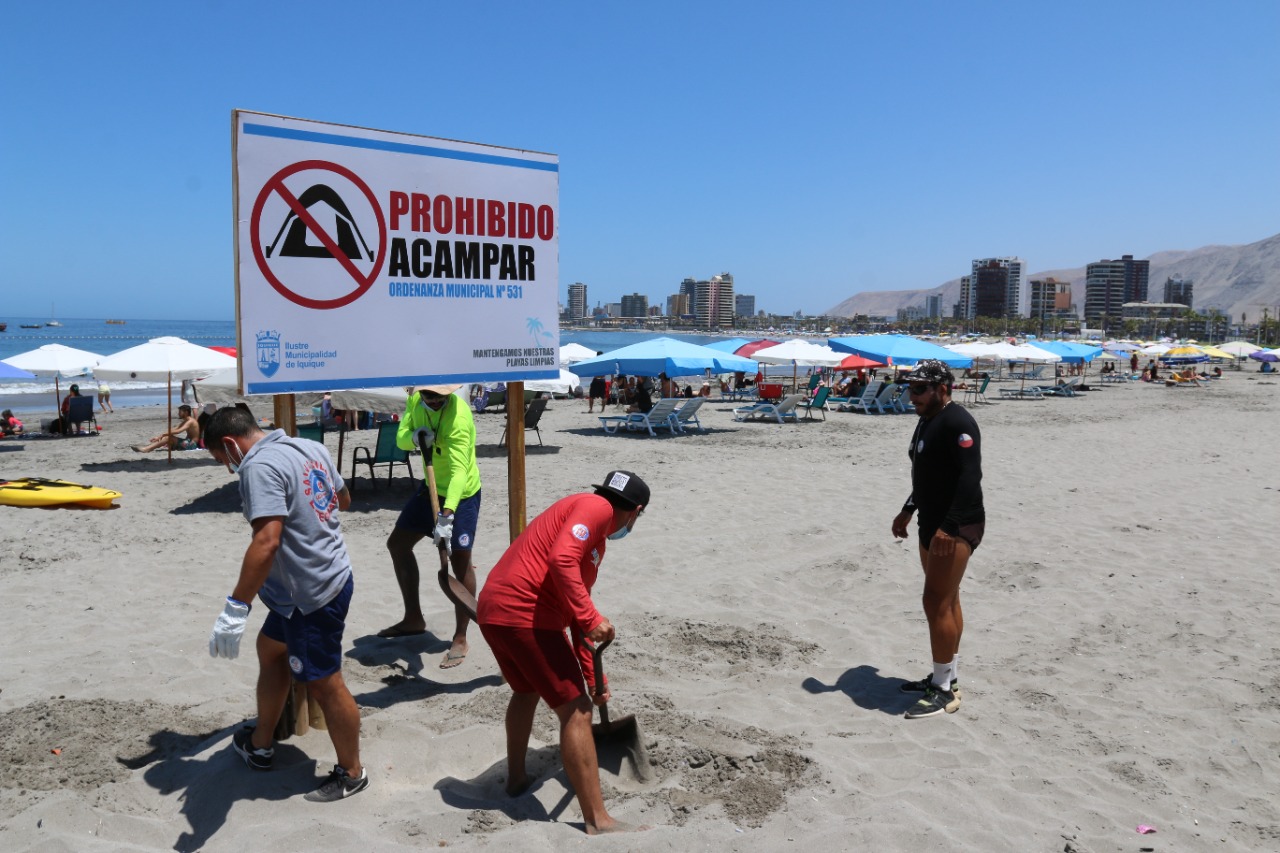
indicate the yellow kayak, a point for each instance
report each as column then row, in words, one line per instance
column 33, row 491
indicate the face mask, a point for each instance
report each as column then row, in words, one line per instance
column 621, row 534
column 434, row 405
column 233, row 466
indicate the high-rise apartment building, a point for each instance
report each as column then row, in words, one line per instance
column 577, row 301
column 678, row 305
column 933, row 305
column 964, row 307
column 1050, row 298
column 714, row 303
column 635, row 305
column 997, row 287
column 744, row 305
column 1108, row 285
column 1178, row 290
column 689, row 288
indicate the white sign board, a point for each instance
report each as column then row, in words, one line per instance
column 366, row 258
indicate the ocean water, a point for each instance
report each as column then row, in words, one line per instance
column 97, row 336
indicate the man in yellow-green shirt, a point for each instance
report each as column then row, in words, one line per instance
column 444, row 420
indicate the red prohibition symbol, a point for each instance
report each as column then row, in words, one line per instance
column 361, row 281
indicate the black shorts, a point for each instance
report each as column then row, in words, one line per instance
column 971, row 533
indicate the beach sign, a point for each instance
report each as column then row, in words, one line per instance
column 371, row 258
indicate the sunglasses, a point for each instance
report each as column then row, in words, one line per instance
column 918, row 389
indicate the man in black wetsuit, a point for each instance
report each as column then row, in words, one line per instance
column 946, row 488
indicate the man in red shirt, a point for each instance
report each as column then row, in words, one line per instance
column 541, row 586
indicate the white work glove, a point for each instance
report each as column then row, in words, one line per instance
column 224, row 642
column 444, row 531
column 423, row 435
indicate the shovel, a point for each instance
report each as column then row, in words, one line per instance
column 624, row 731
column 453, row 588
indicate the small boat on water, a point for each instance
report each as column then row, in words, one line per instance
column 115, row 322
column 52, row 317
column 30, row 325
column 4, row 327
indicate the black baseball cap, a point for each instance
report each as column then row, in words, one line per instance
column 625, row 485
column 931, row 370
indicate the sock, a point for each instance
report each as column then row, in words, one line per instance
column 955, row 668
column 942, row 675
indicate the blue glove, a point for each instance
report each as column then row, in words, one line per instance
column 224, row 642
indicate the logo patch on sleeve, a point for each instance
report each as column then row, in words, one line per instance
column 581, row 533
column 965, row 440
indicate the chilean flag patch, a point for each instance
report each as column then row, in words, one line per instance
column 965, row 440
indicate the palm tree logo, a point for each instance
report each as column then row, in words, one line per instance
column 538, row 331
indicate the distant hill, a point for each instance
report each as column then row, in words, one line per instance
column 1234, row 279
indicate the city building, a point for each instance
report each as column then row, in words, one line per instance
column 689, row 288
column 744, row 305
column 613, row 309
column 713, row 305
column 997, row 287
column 678, row 305
column 1178, row 290
column 964, row 308
column 577, row 301
column 1050, row 299
column 933, row 305
column 910, row 314
column 1110, row 284
column 635, row 305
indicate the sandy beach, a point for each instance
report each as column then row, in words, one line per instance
column 1119, row 663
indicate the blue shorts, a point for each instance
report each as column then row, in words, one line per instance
column 416, row 516
column 314, row 639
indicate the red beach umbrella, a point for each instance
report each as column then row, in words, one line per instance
column 856, row 362
column 747, row 349
column 231, row 351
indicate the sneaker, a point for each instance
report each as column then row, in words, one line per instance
column 339, row 786
column 258, row 759
column 925, row 683
column 934, row 701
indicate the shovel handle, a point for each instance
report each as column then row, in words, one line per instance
column 443, row 576
column 597, row 663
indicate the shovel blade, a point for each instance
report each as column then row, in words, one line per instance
column 623, row 735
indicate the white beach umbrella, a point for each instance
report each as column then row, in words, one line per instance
column 55, row 360
column 573, row 353
column 799, row 353
column 163, row 359
column 1236, row 348
column 1155, row 349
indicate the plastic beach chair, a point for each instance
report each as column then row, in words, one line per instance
column 385, row 452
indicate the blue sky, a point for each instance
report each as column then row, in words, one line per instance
column 814, row 150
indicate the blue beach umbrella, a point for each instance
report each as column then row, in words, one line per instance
column 898, row 350
column 1072, row 353
column 8, row 371
column 731, row 345
column 663, row 355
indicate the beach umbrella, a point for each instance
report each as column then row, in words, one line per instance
column 163, row 359
column 570, row 353
column 1154, row 349
column 729, row 345
column 797, row 353
column 55, row 360
column 1184, row 355
column 1271, row 355
column 8, row 371
column 1214, row 352
column 897, row 350
column 1239, row 348
column 231, row 351
column 748, row 349
column 857, row 362
column 662, row 355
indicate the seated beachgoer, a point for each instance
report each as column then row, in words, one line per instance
column 185, row 436
column 10, row 425
column 643, row 401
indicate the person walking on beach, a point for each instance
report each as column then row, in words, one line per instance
column 297, row 565
column 450, row 430
column 595, row 392
column 104, row 398
column 541, row 586
column 946, row 489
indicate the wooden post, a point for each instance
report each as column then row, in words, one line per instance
column 285, row 414
column 515, row 458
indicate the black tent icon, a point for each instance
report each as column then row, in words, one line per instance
column 295, row 242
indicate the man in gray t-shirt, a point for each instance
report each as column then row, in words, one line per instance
column 297, row 564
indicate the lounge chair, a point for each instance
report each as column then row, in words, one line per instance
column 385, row 452
column 1031, row 392
column 688, row 414
column 80, row 411
column 315, row 432
column 532, row 415
column 864, row 401
column 817, row 401
column 884, row 400
column 978, row 393
column 1034, row 372
column 662, row 414
column 782, row 412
